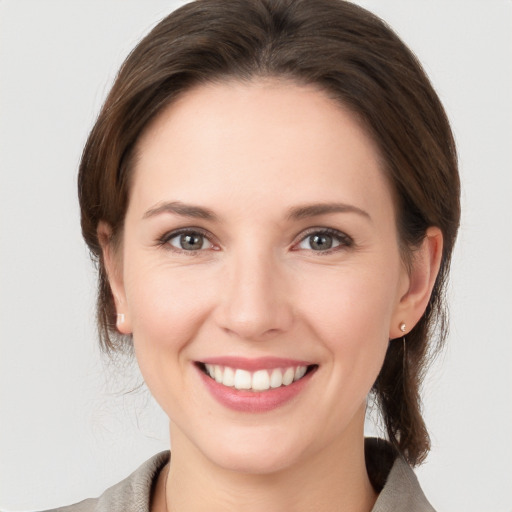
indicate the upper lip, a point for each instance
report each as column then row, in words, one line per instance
column 254, row 364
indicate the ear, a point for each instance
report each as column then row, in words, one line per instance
column 421, row 279
column 112, row 259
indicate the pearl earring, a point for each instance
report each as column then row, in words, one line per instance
column 402, row 326
column 120, row 318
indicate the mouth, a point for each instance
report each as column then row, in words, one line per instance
column 258, row 381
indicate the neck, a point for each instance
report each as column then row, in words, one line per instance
column 332, row 480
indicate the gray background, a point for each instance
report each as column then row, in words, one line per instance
column 67, row 430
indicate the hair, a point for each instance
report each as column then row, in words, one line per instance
column 356, row 59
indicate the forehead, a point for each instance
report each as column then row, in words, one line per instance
column 265, row 139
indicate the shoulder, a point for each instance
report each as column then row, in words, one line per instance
column 402, row 492
column 399, row 488
column 130, row 495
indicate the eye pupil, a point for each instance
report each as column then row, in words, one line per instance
column 320, row 242
column 190, row 241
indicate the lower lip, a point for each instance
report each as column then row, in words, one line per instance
column 254, row 401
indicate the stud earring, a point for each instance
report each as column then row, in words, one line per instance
column 402, row 326
column 120, row 318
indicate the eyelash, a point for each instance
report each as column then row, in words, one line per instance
column 164, row 240
column 344, row 241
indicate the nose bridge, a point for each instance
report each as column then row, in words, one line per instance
column 255, row 303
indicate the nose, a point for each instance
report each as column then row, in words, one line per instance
column 254, row 302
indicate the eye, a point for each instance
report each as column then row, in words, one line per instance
column 324, row 240
column 189, row 241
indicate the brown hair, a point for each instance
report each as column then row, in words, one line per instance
column 357, row 59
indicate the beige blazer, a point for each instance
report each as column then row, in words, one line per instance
column 400, row 490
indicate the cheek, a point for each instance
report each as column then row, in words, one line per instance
column 351, row 300
column 349, row 311
column 167, row 308
column 166, row 305
column 349, row 314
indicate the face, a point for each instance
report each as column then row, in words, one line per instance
column 259, row 272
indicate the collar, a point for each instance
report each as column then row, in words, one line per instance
column 391, row 476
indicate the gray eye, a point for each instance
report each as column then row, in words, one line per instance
column 320, row 242
column 190, row 242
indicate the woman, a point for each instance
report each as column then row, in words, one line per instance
column 271, row 192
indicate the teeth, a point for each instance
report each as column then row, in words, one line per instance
column 242, row 379
column 261, row 380
column 288, row 376
column 276, row 379
column 228, row 378
column 300, row 372
column 210, row 370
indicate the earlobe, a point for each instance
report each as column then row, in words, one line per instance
column 113, row 268
column 422, row 277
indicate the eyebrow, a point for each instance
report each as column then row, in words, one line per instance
column 313, row 210
column 295, row 213
column 179, row 208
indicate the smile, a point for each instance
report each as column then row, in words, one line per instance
column 257, row 385
column 255, row 381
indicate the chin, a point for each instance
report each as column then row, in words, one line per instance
column 257, row 451
column 255, row 461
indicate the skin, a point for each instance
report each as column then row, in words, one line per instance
column 249, row 153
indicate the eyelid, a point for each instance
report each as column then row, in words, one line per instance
column 169, row 235
column 344, row 240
